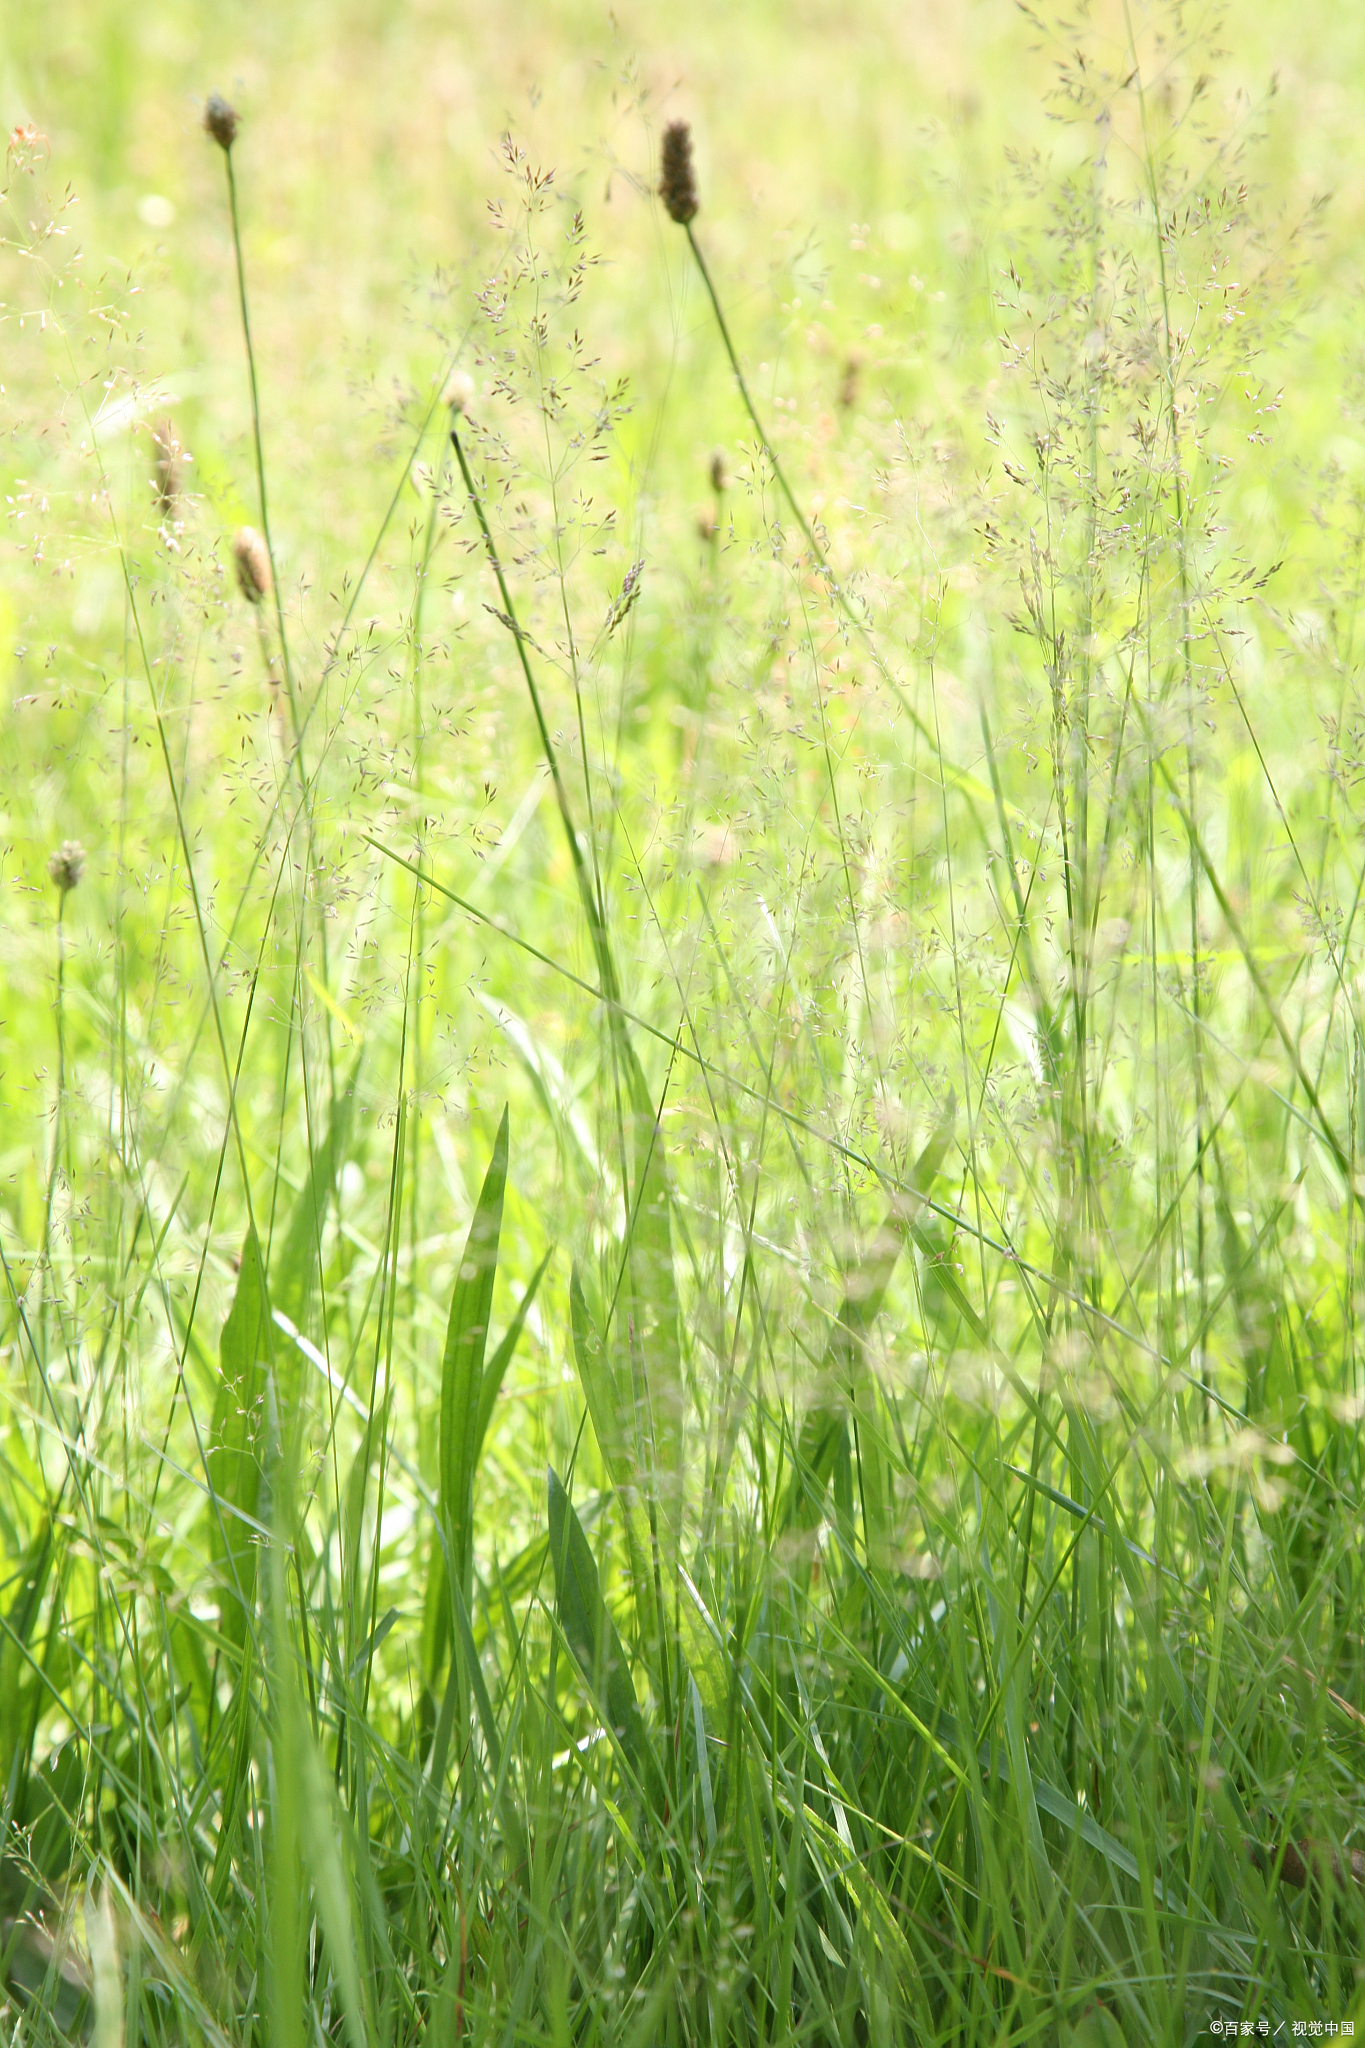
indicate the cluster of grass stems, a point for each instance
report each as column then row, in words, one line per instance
column 941, row 1616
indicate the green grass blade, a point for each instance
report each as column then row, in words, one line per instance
column 295, row 1266
column 592, row 1636
column 462, row 1364
column 496, row 1367
column 234, row 1459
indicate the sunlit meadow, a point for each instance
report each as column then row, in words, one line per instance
column 680, row 1040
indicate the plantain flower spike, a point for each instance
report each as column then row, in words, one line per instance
column 678, row 184
column 252, row 557
column 220, row 120
column 67, row 865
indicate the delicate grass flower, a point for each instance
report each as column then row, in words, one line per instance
column 252, row 557
column 168, row 475
column 66, row 865
column 458, row 394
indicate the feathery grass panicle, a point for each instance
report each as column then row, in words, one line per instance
column 252, row 558
column 678, row 180
column 168, row 472
column 221, row 121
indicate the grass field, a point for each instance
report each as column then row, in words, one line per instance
column 681, row 1039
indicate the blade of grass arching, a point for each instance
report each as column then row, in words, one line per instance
column 245, row 1354
column 463, row 1360
column 436, row 1609
column 297, row 1263
column 591, row 1634
column 591, row 905
column 610, row 1395
column 465, row 1410
column 496, row 1367
column 638, row 1150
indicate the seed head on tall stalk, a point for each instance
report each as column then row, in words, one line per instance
column 222, row 121
column 256, row 566
column 65, row 867
column 678, row 190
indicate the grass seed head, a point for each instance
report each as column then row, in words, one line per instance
column 252, row 557
column 678, row 184
column 67, row 865
column 220, row 120
column 719, row 474
column 459, row 391
column 166, row 442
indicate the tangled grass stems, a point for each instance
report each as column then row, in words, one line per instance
column 593, row 907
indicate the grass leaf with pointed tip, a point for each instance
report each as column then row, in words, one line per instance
column 234, row 1463
column 592, row 1637
column 462, row 1365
